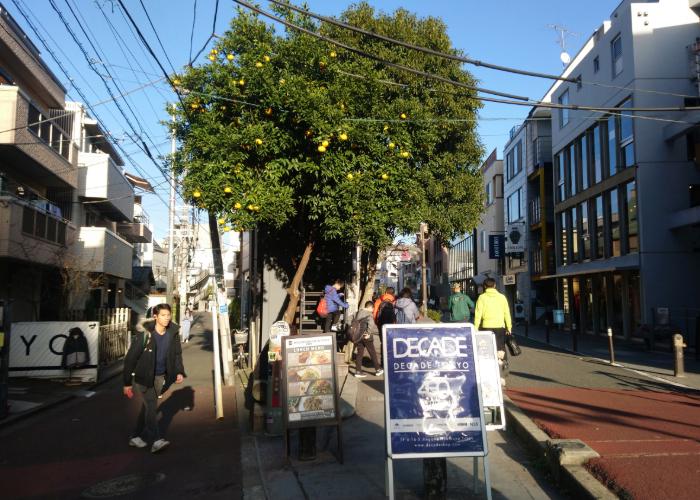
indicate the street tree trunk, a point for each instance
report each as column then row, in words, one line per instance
column 370, row 273
column 293, row 289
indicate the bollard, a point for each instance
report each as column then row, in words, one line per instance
column 610, row 345
column 574, row 337
column 546, row 330
column 678, row 345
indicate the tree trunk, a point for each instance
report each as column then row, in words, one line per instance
column 371, row 272
column 293, row 289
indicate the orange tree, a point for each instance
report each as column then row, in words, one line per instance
column 282, row 130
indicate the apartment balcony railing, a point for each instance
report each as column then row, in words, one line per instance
column 30, row 233
column 103, row 251
column 101, row 179
column 44, row 146
column 535, row 211
column 540, row 153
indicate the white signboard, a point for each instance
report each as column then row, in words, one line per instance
column 36, row 349
column 515, row 238
column 490, row 375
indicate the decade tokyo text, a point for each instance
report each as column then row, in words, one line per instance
column 423, row 347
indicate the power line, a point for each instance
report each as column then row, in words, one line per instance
column 521, row 101
column 213, row 34
column 194, row 21
column 148, row 16
column 367, row 55
column 419, row 48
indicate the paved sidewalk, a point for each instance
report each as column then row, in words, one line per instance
column 268, row 475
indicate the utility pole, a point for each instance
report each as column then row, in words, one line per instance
column 171, row 222
column 424, row 274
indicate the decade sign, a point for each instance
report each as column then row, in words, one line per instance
column 433, row 398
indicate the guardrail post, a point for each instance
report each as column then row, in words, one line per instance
column 610, row 346
column 678, row 365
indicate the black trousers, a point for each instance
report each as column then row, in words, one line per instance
column 147, row 421
column 330, row 320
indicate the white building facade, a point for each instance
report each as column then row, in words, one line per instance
column 626, row 249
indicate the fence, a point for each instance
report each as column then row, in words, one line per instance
column 115, row 324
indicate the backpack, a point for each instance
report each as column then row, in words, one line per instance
column 460, row 308
column 400, row 315
column 386, row 314
column 358, row 328
column 322, row 308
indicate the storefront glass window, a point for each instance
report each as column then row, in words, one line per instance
column 614, row 223
column 574, row 235
column 632, row 226
column 599, row 228
column 585, row 235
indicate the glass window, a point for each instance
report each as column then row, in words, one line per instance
column 561, row 176
column 583, row 144
column 564, row 112
column 612, row 147
column 571, row 156
column 574, row 235
column 597, row 157
column 599, row 228
column 614, row 222
column 489, row 193
column 40, row 227
column 585, row 235
column 483, row 241
column 616, row 52
column 632, row 225
column 28, row 220
column 33, row 119
column 509, row 165
column 626, row 128
column 514, row 213
column 596, row 64
column 563, row 241
column 518, row 158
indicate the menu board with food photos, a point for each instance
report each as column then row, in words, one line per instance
column 309, row 386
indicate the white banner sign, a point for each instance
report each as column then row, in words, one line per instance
column 515, row 238
column 36, row 349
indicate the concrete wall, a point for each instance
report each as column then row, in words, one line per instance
column 101, row 178
column 102, row 251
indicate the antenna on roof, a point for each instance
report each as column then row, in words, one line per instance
column 563, row 32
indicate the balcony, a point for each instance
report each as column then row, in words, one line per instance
column 100, row 179
column 137, row 231
column 31, row 234
column 34, row 143
column 540, row 154
column 102, row 251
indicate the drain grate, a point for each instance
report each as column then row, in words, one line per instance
column 122, row 485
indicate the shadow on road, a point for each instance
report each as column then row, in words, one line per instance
column 179, row 400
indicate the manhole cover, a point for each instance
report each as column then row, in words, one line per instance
column 122, row 485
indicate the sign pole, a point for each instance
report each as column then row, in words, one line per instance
column 218, row 397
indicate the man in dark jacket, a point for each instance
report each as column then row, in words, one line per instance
column 153, row 363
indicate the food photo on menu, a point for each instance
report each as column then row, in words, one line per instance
column 309, row 358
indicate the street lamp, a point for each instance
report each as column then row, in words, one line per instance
column 424, row 285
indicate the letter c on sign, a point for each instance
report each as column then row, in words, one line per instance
column 60, row 335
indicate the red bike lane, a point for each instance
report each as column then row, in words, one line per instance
column 648, row 441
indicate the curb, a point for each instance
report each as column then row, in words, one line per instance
column 111, row 373
column 578, row 482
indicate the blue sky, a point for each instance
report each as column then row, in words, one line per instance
column 506, row 32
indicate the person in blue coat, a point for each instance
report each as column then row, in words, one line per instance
column 334, row 302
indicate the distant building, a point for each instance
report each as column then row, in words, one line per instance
column 490, row 235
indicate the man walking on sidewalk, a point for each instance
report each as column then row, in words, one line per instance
column 493, row 313
column 153, row 363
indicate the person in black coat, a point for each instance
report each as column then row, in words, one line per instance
column 152, row 364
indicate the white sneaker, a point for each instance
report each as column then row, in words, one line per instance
column 137, row 442
column 159, row 445
column 379, row 372
column 360, row 375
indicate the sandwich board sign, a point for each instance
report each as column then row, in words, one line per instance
column 490, row 381
column 432, row 390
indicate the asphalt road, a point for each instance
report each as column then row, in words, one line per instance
column 645, row 430
column 81, row 448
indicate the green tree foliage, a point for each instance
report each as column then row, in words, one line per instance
column 282, row 129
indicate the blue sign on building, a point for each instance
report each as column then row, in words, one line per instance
column 496, row 246
column 432, row 393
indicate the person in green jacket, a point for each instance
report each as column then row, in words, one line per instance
column 493, row 313
column 460, row 305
